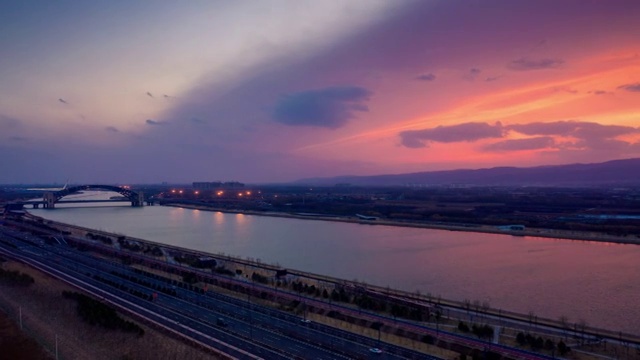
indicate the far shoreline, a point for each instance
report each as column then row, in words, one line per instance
column 487, row 229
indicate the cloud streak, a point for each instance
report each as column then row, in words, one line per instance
column 467, row 132
column 578, row 129
column 630, row 87
column 472, row 74
column 526, row 64
column 558, row 135
column 535, row 143
column 426, row 77
column 155, row 122
column 600, row 92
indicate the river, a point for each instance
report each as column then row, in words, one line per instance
column 591, row 281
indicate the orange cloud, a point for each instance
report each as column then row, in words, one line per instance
column 569, row 96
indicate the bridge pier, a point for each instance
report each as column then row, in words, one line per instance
column 49, row 200
column 35, row 206
column 139, row 202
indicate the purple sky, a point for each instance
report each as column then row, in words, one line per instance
column 271, row 91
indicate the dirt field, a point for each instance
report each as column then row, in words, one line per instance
column 14, row 344
column 46, row 315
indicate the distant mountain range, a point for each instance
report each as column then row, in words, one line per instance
column 615, row 172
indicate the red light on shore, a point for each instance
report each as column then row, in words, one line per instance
column 173, row 191
column 197, row 192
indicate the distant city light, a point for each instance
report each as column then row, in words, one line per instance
column 181, row 191
column 197, row 192
column 173, row 191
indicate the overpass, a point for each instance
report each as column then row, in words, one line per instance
column 51, row 198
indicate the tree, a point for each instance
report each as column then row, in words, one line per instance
column 485, row 306
column 532, row 317
column 335, row 296
column 564, row 321
column 582, row 326
column 377, row 326
column 428, row 339
column 462, row 326
column 467, row 304
column 549, row 345
column 477, row 305
column 563, row 348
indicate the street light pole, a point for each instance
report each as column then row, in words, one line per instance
column 304, row 309
column 250, row 314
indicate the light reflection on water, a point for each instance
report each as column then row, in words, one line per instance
column 597, row 282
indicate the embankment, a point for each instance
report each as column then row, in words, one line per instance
column 533, row 232
column 248, row 267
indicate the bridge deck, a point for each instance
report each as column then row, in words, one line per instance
column 74, row 201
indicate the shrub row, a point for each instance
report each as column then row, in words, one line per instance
column 538, row 343
column 15, row 278
column 484, row 331
column 96, row 313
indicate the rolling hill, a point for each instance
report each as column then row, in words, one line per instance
column 615, row 172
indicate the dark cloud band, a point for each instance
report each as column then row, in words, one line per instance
column 330, row 107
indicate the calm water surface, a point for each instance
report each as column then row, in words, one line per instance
column 597, row 282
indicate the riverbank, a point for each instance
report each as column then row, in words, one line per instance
column 533, row 232
column 355, row 288
column 505, row 272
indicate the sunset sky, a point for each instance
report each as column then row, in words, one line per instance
column 271, row 91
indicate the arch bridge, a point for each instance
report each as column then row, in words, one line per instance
column 50, row 198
